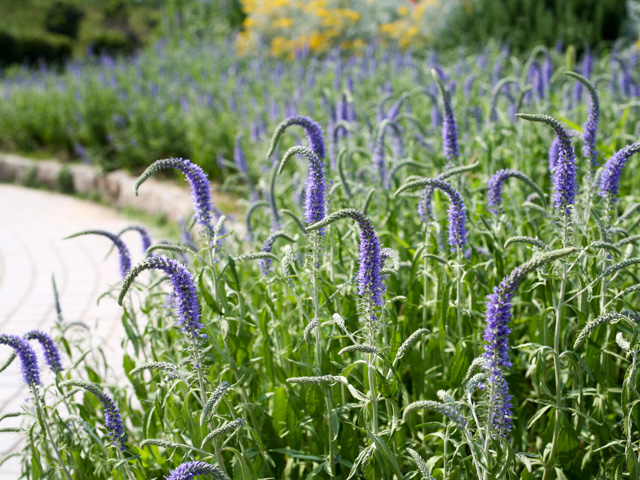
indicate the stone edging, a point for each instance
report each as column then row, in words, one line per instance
column 116, row 188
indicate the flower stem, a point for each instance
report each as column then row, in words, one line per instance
column 45, row 424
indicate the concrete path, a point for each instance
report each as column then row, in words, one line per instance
column 33, row 224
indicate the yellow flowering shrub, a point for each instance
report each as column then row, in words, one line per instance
column 284, row 26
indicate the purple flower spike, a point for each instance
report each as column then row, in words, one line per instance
column 314, row 205
column 267, row 246
column 185, row 295
column 125, row 257
column 610, row 178
column 312, row 129
column 496, row 336
column 591, row 125
column 113, row 421
column 112, row 418
column 449, row 126
column 495, row 187
column 188, row 470
column 564, row 174
column 369, row 279
column 239, row 156
column 200, row 189
column 51, row 352
column 457, row 208
column 27, row 356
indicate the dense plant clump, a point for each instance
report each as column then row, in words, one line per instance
column 451, row 294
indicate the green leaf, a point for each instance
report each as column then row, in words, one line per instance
column 383, row 448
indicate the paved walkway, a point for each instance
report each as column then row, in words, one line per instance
column 33, row 224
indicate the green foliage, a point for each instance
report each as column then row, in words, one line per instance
column 523, row 24
column 33, row 48
column 111, row 42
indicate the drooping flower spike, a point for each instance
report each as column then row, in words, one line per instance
column 312, row 129
column 449, row 126
column 457, row 209
column 496, row 336
column 200, row 189
column 590, row 127
column 314, row 205
column 184, row 292
column 144, row 234
column 27, row 356
column 112, row 417
column 125, row 257
column 610, row 178
column 424, row 206
column 189, row 470
column 369, row 279
column 51, row 352
column 564, row 174
column 267, row 246
column 495, row 187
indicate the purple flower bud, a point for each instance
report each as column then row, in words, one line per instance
column 613, row 168
column 51, row 352
column 27, row 356
column 189, row 470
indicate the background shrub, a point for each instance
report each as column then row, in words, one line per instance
column 48, row 48
column 64, row 18
column 112, row 42
column 8, row 48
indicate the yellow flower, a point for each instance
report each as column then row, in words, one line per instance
column 403, row 10
column 285, row 22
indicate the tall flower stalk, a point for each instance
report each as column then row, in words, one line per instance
column 496, row 336
column 370, row 286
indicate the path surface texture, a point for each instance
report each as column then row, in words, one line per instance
column 33, row 224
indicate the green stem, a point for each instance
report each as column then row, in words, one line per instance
column 43, row 419
column 556, row 360
column 371, row 358
column 329, row 404
column 459, row 296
